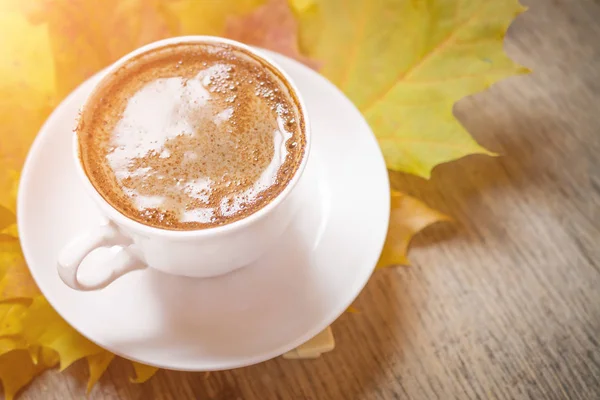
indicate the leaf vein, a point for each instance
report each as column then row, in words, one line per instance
column 356, row 45
column 441, row 46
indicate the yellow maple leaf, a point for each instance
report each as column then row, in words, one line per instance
column 10, row 343
column 10, row 319
column 10, row 232
column 271, row 26
column 10, row 328
column 10, row 253
column 7, row 218
column 405, row 63
column 16, row 283
column 192, row 17
column 301, row 6
column 27, row 88
column 17, row 369
column 98, row 363
column 43, row 326
column 408, row 216
column 143, row 372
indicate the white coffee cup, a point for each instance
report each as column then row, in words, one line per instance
column 195, row 253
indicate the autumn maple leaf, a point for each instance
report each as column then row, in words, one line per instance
column 405, row 63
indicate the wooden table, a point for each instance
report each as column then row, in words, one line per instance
column 505, row 303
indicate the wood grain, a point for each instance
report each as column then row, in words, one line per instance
column 505, row 304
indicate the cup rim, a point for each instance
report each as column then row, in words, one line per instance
column 121, row 219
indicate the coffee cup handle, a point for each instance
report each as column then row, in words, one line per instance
column 104, row 235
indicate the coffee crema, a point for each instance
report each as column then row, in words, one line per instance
column 191, row 136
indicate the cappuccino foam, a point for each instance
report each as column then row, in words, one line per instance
column 191, row 136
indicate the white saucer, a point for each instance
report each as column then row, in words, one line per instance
column 245, row 317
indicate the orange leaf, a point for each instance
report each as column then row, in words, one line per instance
column 408, row 217
column 143, row 372
column 272, row 26
column 11, row 343
column 17, row 369
column 86, row 36
column 98, row 363
column 7, row 218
